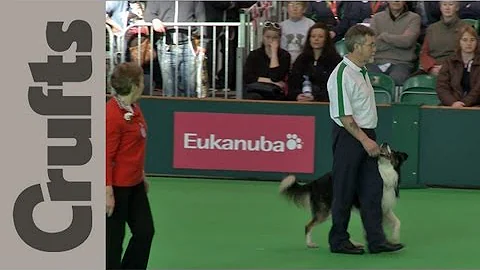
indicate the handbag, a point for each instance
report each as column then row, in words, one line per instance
column 146, row 52
column 267, row 91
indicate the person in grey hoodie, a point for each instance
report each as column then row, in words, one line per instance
column 397, row 30
column 176, row 49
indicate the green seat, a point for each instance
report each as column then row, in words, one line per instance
column 384, row 87
column 420, row 83
column 474, row 23
column 420, row 89
column 382, row 97
column 420, row 98
column 341, row 48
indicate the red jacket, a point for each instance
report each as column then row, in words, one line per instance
column 125, row 145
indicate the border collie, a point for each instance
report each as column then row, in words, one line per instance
column 317, row 195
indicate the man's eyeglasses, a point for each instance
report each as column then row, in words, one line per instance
column 371, row 45
column 271, row 24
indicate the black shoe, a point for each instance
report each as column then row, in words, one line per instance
column 348, row 248
column 385, row 247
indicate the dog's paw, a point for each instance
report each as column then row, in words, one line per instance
column 312, row 245
column 395, row 240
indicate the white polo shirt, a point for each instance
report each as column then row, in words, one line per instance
column 351, row 93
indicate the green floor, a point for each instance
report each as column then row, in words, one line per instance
column 238, row 224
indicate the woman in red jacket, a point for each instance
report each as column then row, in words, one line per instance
column 126, row 197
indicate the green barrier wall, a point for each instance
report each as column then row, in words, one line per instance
column 450, row 147
column 441, row 142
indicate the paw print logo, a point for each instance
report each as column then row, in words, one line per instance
column 294, row 142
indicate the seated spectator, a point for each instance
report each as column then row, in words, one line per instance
column 429, row 12
column 321, row 11
column 376, row 6
column 348, row 14
column 266, row 68
column 397, row 30
column 469, row 10
column 294, row 29
column 458, row 83
column 318, row 59
column 440, row 38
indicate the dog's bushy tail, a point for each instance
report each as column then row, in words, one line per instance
column 295, row 192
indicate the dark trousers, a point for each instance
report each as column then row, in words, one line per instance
column 355, row 175
column 132, row 208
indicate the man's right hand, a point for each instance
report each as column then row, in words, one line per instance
column 158, row 25
column 371, row 147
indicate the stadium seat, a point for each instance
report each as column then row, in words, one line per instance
column 382, row 97
column 384, row 87
column 474, row 23
column 421, row 83
column 341, row 48
column 420, row 98
column 420, row 89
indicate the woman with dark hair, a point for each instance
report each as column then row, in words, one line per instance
column 318, row 59
column 267, row 67
column 126, row 186
column 458, row 83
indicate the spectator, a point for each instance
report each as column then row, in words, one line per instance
column 294, row 29
column 375, row 6
column 317, row 61
column 223, row 11
column 116, row 15
column 429, row 12
column 469, row 10
column 348, row 14
column 320, row 11
column 176, row 50
column 267, row 67
column 397, row 30
column 440, row 38
column 458, row 83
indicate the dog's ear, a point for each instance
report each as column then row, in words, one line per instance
column 402, row 157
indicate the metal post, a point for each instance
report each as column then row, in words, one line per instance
column 240, row 56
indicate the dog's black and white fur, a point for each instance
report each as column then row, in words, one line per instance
column 317, row 195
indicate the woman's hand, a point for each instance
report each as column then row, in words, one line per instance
column 435, row 70
column 146, row 184
column 302, row 97
column 110, row 201
column 458, row 104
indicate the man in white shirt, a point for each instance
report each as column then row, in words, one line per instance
column 355, row 170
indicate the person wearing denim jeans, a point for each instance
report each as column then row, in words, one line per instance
column 178, row 64
column 176, row 53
